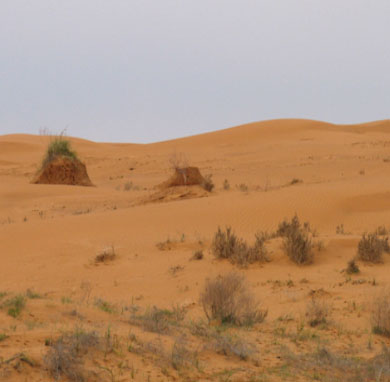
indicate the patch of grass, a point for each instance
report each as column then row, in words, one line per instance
column 15, row 305
column 3, row 337
column 32, row 295
column 105, row 306
column 58, row 147
column 229, row 345
column 181, row 354
column 227, row 299
column 243, row 187
column 66, row 300
column 158, row 320
column 226, row 185
column 317, row 312
column 370, row 248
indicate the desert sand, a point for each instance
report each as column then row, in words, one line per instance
column 329, row 175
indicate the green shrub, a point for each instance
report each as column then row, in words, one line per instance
column 15, row 305
column 58, row 147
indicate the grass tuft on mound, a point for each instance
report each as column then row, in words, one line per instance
column 58, row 147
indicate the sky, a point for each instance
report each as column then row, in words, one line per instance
column 150, row 70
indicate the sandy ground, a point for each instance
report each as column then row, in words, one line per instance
column 50, row 236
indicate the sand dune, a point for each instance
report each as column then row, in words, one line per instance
column 50, row 234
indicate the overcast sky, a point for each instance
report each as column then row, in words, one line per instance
column 150, row 70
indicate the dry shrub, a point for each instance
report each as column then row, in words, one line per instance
column 228, row 300
column 108, row 254
column 380, row 315
column 65, row 356
column 233, row 345
column 208, row 184
column 226, row 245
column 297, row 244
column 352, row 267
column 198, row 255
column 317, row 311
column 371, row 247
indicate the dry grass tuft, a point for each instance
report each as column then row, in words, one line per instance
column 380, row 315
column 228, row 300
column 108, row 254
column 317, row 311
column 352, row 267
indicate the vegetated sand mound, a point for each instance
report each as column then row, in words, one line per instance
column 63, row 170
column 185, row 183
column 188, row 176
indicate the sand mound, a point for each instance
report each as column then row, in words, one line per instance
column 63, row 170
column 188, row 176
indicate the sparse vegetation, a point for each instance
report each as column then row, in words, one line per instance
column 317, row 311
column 108, row 254
column 14, row 305
column 226, row 185
column 198, row 255
column 370, row 248
column 158, row 320
column 65, row 356
column 208, row 184
column 352, row 267
column 243, row 187
column 229, row 345
column 105, row 306
column 380, row 315
column 226, row 245
column 3, row 337
column 227, row 299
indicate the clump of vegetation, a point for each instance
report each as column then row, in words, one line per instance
column 226, row 245
column 317, row 311
column 371, row 247
column 380, row 315
column 243, row 187
column 208, row 184
column 14, row 305
column 158, row 320
column 59, row 147
column 3, row 337
column 227, row 299
column 108, row 254
column 105, row 306
column 233, row 345
column 65, row 356
column 181, row 355
column 198, row 255
column 352, row 267
column 298, row 244
column 226, row 185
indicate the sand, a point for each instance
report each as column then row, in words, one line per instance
column 50, row 235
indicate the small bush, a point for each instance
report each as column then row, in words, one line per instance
column 380, row 315
column 15, row 305
column 226, row 185
column 64, row 357
column 58, row 147
column 317, row 311
column 158, row 320
column 243, row 187
column 105, row 306
column 3, row 337
column 370, row 248
column 226, row 245
column 352, row 267
column 228, row 300
column 108, row 254
column 208, row 184
column 233, row 345
column 198, row 255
